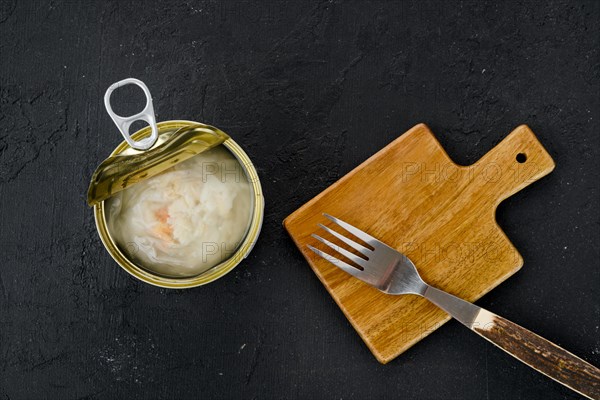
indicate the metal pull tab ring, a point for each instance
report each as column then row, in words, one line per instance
column 123, row 123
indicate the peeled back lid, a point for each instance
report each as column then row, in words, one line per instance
column 131, row 166
column 147, row 152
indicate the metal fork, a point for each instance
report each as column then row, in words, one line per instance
column 393, row 273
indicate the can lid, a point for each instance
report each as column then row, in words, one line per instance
column 147, row 153
column 131, row 166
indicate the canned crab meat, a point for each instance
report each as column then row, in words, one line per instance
column 187, row 219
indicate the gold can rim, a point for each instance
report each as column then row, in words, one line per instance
column 215, row 272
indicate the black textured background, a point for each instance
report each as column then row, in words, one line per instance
column 310, row 90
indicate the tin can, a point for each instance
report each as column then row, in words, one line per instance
column 243, row 249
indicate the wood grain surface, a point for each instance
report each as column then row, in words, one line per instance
column 413, row 197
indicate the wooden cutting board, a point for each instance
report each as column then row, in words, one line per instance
column 441, row 215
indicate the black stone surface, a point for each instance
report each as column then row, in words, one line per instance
column 310, row 90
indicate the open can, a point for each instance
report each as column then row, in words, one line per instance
column 150, row 152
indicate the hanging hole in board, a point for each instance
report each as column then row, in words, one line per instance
column 521, row 158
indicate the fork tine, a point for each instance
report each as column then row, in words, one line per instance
column 362, row 249
column 357, row 273
column 352, row 257
column 355, row 231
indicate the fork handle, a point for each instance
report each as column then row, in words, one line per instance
column 535, row 351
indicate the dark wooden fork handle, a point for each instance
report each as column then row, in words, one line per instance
column 535, row 351
column 541, row 354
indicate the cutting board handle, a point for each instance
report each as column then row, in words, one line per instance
column 513, row 164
